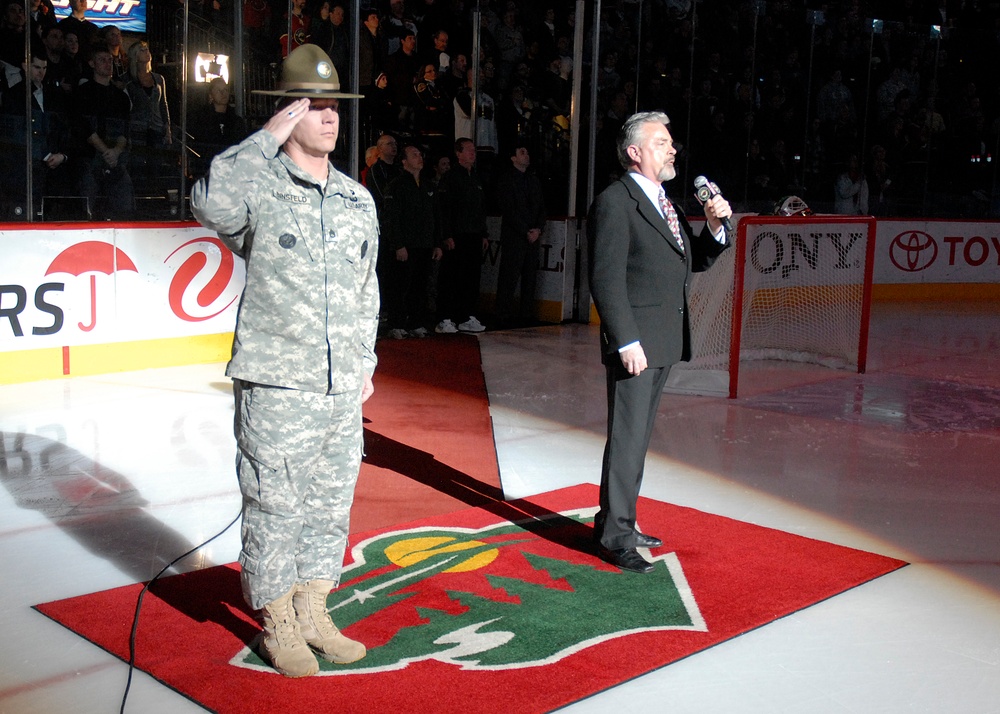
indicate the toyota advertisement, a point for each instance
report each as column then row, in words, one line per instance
column 937, row 252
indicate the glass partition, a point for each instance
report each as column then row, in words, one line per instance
column 768, row 99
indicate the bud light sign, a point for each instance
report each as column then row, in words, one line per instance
column 127, row 15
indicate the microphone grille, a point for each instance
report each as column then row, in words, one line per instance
column 700, row 181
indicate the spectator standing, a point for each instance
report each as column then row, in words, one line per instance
column 12, row 28
column 71, row 52
column 608, row 79
column 380, row 113
column 441, row 166
column 218, row 13
column 79, row 25
column 544, row 32
column 781, row 170
column 149, row 126
column 522, row 220
column 514, row 119
column 62, row 71
column 371, row 156
column 430, row 16
column 329, row 33
column 556, row 89
column 462, row 206
column 851, row 189
column 257, row 19
column 833, row 100
column 410, row 232
column 41, row 14
column 340, row 48
column 321, row 30
column 49, row 135
column 397, row 24
column 215, row 126
column 564, row 50
column 401, row 69
column 384, row 170
column 299, row 25
column 454, row 79
column 101, row 113
column 437, row 54
column 758, row 189
column 372, row 53
column 377, row 180
column 885, row 94
column 510, row 41
column 432, row 115
column 111, row 36
column 881, row 178
column 487, row 140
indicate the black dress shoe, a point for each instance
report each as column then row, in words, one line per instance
column 625, row 558
column 643, row 540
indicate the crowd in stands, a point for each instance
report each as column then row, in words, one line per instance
column 894, row 101
column 100, row 123
column 770, row 99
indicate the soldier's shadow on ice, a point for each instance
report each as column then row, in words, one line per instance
column 105, row 513
column 424, row 468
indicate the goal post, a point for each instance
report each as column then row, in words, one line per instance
column 792, row 289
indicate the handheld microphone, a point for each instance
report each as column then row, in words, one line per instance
column 705, row 190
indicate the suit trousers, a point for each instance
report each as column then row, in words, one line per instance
column 632, row 407
column 518, row 264
column 408, row 290
column 461, row 269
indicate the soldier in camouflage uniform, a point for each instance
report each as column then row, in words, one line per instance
column 303, row 355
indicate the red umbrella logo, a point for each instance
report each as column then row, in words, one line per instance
column 91, row 257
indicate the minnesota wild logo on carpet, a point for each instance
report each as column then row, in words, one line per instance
column 509, row 600
column 470, row 612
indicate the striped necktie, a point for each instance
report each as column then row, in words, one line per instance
column 671, row 215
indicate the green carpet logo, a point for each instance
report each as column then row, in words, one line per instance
column 493, row 598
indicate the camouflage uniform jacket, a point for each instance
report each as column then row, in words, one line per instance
column 309, row 311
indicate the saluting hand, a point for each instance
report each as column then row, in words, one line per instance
column 285, row 119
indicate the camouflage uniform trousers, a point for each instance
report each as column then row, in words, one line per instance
column 298, row 461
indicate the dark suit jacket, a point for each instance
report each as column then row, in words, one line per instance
column 638, row 275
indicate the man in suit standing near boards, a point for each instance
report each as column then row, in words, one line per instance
column 642, row 254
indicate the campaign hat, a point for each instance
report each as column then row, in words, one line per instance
column 308, row 72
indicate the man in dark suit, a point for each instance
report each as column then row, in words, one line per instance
column 642, row 254
column 50, row 137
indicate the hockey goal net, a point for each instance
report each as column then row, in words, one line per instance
column 792, row 289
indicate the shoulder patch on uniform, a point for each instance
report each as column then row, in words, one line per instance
column 357, row 204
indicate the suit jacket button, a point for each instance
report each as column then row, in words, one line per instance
column 680, row 310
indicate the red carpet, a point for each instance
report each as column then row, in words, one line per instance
column 428, row 435
column 467, row 613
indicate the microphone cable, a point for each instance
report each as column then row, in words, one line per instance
column 142, row 594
